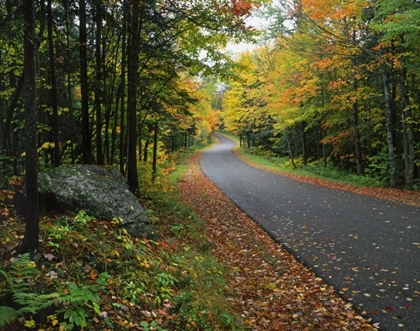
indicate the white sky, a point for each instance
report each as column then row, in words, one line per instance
column 254, row 21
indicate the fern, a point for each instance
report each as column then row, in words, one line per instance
column 20, row 273
column 33, row 302
column 7, row 315
column 19, row 276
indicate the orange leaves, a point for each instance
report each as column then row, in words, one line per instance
column 330, row 9
column 272, row 289
column 241, row 7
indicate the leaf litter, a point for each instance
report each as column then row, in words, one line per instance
column 272, row 289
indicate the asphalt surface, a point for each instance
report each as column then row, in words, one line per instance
column 367, row 248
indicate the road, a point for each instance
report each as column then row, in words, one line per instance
column 367, row 248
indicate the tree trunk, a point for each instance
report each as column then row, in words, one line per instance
column 355, row 115
column 30, row 240
column 304, row 145
column 69, row 72
column 123, row 135
column 133, row 63
column 155, row 143
column 289, row 146
column 389, row 135
column 53, row 77
column 98, row 84
column 145, row 150
column 408, row 133
column 84, row 88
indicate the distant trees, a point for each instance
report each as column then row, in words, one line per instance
column 341, row 88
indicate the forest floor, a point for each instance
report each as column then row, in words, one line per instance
column 274, row 290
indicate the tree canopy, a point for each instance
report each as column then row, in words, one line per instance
column 113, row 80
column 339, row 82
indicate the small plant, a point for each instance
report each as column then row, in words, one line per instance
column 23, row 272
column 151, row 326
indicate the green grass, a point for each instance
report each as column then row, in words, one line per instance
column 314, row 169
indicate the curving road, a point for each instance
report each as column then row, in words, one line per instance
column 367, row 248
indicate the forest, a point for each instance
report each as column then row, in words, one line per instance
column 109, row 76
column 134, row 84
column 109, row 82
column 129, row 84
column 336, row 84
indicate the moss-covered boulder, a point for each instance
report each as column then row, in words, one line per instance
column 100, row 192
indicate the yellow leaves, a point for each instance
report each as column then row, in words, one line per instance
column 30, row 323
column 145, row 264
column 46, row 145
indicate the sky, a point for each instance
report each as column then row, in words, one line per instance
column 254, row 21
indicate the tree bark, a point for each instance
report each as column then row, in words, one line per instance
column 84, row 88
column 408, row 133
column 123, row 135
column 389, row 135
column 98, row 84
column 53, row 77
column 355, row 115
column 30, row 241
column 155, row 143
column 289, row 146
column 304, row 145
column 133, row 63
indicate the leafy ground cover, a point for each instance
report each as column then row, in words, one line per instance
column 91, row 275
column 274, row 291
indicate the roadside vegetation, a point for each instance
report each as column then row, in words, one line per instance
column 326, row 175
column 89, row 274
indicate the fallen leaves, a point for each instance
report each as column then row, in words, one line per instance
column 274, row 291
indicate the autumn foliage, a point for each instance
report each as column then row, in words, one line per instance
column 336, row 86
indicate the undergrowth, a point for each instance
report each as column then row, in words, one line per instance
column 91, row 275
column 314, row 169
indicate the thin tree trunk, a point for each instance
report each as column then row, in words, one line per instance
column 289, row 146
column 155, row 143
column 84, row 89
column 69, row 81
column 304, row 145
column 355, row 115
column 133, row 63
column 408, row 132
column 30, row 241
column 98, row 84
column 123, row 136
column 53, row 77
column 389, row 135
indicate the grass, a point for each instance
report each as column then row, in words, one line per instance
column 313, row 169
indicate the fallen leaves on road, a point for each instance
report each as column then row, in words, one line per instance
column 274, row 291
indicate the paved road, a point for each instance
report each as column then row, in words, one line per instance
column 367, row 248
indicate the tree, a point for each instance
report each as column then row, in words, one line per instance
column 30, row 240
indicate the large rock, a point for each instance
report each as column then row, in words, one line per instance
column 100, row 192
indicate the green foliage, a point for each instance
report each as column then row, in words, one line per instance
column 21, row 276
column 162, row 285
column 378, row 167
column 7, row 315
column 151, row 326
